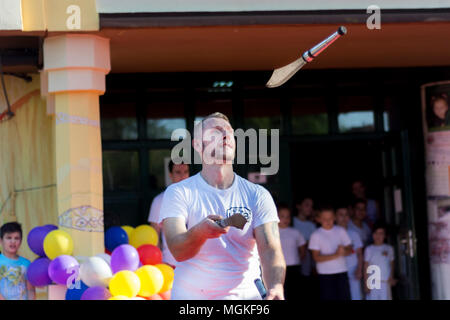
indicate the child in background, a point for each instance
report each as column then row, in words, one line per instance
column 294, row 248
column 355, row 260
column 13, row 268
column 382, row 256
column 330, row 245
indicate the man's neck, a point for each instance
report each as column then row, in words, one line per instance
column 301, row 216
column 358, row 223
column 218, row 176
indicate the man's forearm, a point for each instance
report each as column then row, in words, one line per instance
column 186, row 245
column 273, row 267
column 325, row 257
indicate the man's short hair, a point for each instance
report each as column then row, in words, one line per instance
column 283, row 205
column 171, row 164
column 10, row 227
column 199, row 125
column 358, row 200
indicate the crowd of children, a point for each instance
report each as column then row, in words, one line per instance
column 334, row 254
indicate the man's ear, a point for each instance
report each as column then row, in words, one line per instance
column 197, row 145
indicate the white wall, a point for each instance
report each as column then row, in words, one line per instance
column 10, row 16
column 116, row 6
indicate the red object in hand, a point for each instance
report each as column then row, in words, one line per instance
column 149, row 254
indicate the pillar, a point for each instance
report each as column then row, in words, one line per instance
column 73, row 78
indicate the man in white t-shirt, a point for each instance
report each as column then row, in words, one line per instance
column 381, row 255
column 177, row 173
column 294, row 249
column 357, row 222
column 355, row 260
column 330, row 245
column 215, row 262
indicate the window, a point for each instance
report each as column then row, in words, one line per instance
column 120, row 170
column 356, row 114
column 260, row 113
column 163, row 117
column 204, row 107
column 309, row 116
column 118, row 119
column 157, row 165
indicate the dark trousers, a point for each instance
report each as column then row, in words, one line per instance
column 293, row 283
column 334, row 286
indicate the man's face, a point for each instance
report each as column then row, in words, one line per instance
column 360, row 211
column 179, row 172
column 11, row 242
column 378, row 236
column 326, row 219
column 342, row 216
column 218, row 141
column 285, row 218
column 307, row 207
column 359, row 190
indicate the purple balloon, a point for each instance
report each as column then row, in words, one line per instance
column 37, row 272
column 63, row 267
column 124, row 257
column 50, row 227
column 96, row 293
column 36, row 238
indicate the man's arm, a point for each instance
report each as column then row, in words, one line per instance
column 302, row 252
column 359, row 255
column 365, row 276
column 318, row 257
column 185, row 244
column 31, row 291
column 272, row 259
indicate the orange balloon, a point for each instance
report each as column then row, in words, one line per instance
column 166, row 295
column 155, row 297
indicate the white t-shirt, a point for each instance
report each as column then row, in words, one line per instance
column 352, row 260
column 291, row 239
column 225, row 267
column 154, row 217
column 380, row 256
column 306, row 228
column 327, row 242
column 365, row 233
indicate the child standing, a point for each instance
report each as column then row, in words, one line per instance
column 13, row 268
column 381, row 255
column 330, row 245
column 355, row 260
column 294, row 248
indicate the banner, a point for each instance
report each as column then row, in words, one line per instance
column 436, row 124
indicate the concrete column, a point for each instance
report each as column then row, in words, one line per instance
column 73, row 78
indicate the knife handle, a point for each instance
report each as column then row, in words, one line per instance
column 309, row 55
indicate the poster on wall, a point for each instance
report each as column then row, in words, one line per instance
column 436, row 124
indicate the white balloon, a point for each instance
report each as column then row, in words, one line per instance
column 105, row 257
column 95, row 272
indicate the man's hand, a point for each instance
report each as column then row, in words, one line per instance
column 358, row 273
column 209, row 229
column 275, row 293
column 340, row 251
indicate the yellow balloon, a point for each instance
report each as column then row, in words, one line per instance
column 57, row 243
column 143, row 234
column 128, row 230
column 168, row 275
column 125, row 283
column 152, row 280
column 119, row 298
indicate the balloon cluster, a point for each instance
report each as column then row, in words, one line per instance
column 130, row 269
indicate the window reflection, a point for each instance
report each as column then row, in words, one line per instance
column 163, row 117
column 118, row 120
column 309, row 116
column 356, row 114
column 157, row 165
column 120, row 170
column 260, row 113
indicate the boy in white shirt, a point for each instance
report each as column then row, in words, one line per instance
column 357, row 223
column 381, row 255
column 294, row 248
column 330, row 245
column 355, row 260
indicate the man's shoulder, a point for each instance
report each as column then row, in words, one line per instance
column 188, row 183
column 24, row 261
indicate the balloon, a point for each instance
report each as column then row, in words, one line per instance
column 168, row 275
column 138, row 298
column 96, row 293
column 75, row 293
column 63, row 267
column 37, row 272
column 105, row 257
column 144, row 234
column 36, row 238
column 57, row 243
column 149, row 254
column 128, row 230
column 125, row 283
column 166, row 295
column 124, row 257
column 154, row 297
column 50, row 227
column 80, row 259
column 119, row 298
column 95, row 272
column 114, row 237
column 151, row 279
